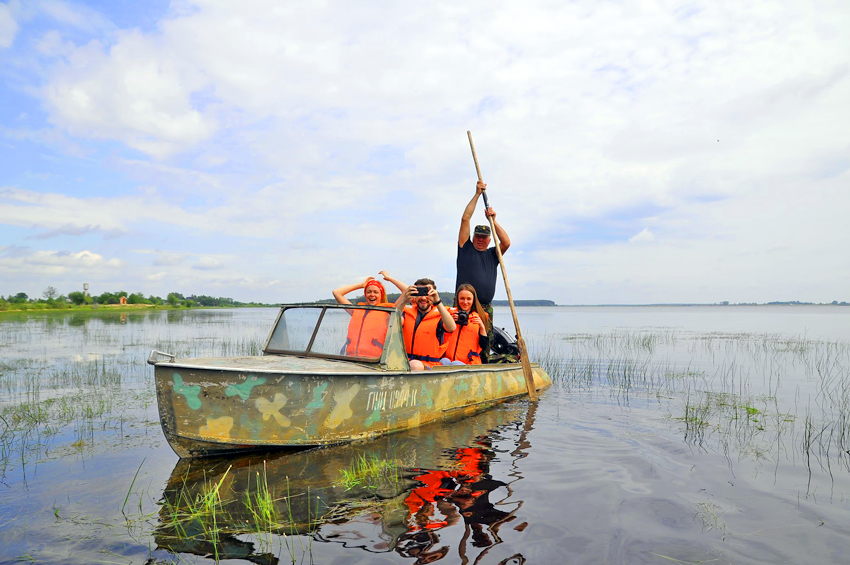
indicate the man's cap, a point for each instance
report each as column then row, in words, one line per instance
column 481, row 230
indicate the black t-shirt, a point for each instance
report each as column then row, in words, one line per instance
column 477, row 268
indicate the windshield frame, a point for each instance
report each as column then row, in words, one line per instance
column 307, row 352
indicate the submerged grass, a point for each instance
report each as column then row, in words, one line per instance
column 726, row 390
column 369, row 471
column 212, row 517
column 77, row 380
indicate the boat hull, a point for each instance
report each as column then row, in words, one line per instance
column 250, row 405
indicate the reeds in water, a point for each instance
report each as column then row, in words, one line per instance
column 738, row 393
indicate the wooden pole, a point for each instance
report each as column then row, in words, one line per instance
column 523, row 352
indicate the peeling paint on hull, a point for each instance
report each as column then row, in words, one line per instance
column 215, row 406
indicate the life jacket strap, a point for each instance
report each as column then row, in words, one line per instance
column 423, row 358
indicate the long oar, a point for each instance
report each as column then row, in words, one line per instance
column 523, row 352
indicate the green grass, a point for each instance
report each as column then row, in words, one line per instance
column 369, row 471
column 74, row 380
column 725, row 388
column 196, row 516
column 204, row 513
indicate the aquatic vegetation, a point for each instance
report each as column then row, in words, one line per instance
column 196, row 516
column 91, row 384
column 709, row 514
column 367, row 471
column 725, row 389
column 75, row 387
column 216, row 513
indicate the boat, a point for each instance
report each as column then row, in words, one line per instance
column 310, row 387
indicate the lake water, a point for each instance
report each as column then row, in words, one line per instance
column 671, row 435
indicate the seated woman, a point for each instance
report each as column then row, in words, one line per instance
column 367, row 329
column 463, row 346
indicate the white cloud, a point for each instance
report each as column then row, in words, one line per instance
column 68, row 215
column 14, row 13
column 208, row 264
column 73, row 14
column 129, row 93
column 771, row 245
column 644, row 236
column 48, row 137
column 166, row 258
column 57, row 263
column 8, row 26
column 66, row 259
column 705, row 122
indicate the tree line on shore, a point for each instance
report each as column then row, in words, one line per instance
column 52, row 299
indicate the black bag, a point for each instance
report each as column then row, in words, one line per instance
column 504, row 344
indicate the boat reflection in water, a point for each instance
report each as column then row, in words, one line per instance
column 424, row 494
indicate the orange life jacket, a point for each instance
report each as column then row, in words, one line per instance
column 367, row 331
column 471, row 461
column 421, row 343
column 462, row 344
column 440, row 485
column 428, row 494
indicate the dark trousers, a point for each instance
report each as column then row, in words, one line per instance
column 485, row 351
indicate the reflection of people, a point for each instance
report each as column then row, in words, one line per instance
column 444, row 498
column 419, row 544
column 423, row 501
column 476, row 263
column 464, row 345
column 424, row 325
column 367, row 329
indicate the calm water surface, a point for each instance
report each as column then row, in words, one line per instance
column 672, row 434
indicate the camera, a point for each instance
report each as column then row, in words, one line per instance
column 421, row 291
column 462, row 317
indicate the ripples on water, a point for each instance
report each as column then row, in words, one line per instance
column 659, row 442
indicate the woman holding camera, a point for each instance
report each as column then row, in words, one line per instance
column 463, row 346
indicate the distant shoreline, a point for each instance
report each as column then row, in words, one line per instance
column 685, row 304
column 498, row 303
column 448, row 297
column 68, row 308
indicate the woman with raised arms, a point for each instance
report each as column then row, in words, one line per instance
column 367, row 329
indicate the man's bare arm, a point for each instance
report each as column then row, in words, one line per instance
column 404, row 298
column 504, row 240
column 463, row 235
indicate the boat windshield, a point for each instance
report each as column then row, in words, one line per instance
column 354, row 332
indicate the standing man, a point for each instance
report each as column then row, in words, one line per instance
column 477, row 262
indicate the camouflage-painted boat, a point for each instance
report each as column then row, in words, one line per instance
column 311, row 387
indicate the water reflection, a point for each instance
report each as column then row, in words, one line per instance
column 78, row 320
column 446, row 491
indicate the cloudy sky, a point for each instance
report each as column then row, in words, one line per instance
column 635, row 151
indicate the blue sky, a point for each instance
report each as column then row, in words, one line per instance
column 636, row 152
